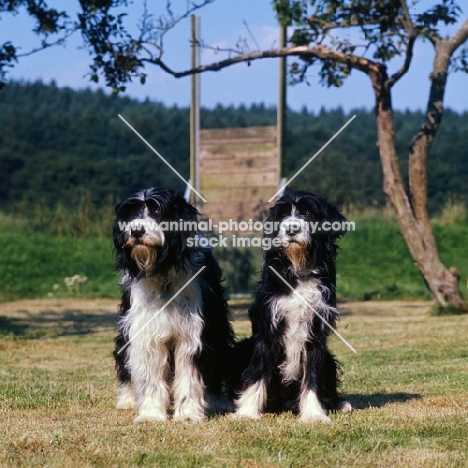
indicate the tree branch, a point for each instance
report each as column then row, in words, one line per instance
column 412, row 35
column 405, row 67
column 319, row 51
column 47, row 45
column 327, row 26
column 460, row 37
column 424, row 137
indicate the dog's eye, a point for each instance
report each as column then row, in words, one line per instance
column 128, row 211
column 285, row 211
column 305, row 210
column 153, row 207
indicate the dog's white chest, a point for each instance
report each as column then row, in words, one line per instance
column 158, row 314
column 299, row 306
column 297, row 310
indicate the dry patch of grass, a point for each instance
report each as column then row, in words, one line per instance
column 407, row 382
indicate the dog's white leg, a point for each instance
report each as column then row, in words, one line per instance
column 251, row 402
column 310, row 408
column 189, row 401
column 149, row 371
column 125, row 397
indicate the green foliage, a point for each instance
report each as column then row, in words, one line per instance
column 120, row 50
column 113, row 51
column 48, row 22
column 241, row 268
column 58, row 146
column 382, row 31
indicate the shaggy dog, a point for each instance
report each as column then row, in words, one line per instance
column 294, row 311
column 174, row 336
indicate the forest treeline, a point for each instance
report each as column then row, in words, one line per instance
column 59, row 144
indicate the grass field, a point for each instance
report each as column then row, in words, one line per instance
column 408, row 383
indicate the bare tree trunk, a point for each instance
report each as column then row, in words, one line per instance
column 412, row 214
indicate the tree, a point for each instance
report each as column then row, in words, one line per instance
column 387, row 31
column 51, row 25
column 322, row 33
column 115, row 53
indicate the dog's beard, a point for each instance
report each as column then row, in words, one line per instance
column 145, row 257
column 297, row 255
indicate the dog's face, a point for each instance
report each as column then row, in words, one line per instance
column 143, row 238
column 305, row 228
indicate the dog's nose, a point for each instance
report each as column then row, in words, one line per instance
column 293, row 228
column 137, row 231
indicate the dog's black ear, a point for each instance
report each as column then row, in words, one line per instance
column 190, row 214
column 338, row 222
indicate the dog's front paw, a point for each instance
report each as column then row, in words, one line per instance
column 189, row 419
column 192, row 413
column 245, row 413
column 311, row 410
column 150, row 416
column 125, row 404
column 312, row 418
column 125, row 397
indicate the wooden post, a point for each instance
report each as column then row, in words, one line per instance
column 282, row 107
column 195, row 108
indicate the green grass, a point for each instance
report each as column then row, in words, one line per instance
column 35, row 266
column 407, row 383
column 373, row 263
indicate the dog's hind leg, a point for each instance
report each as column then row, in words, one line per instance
column 253, row 397
column 310, row 406
column 252, row 400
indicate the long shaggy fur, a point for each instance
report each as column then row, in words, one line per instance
column 173, row 346
column 288, row 363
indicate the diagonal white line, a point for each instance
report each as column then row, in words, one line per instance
column 313, row 157
column 304, row 300
column 162, row 308
column 161, row 157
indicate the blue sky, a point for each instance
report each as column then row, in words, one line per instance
column 223, row 23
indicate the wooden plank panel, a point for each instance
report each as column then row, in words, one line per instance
column 232, row 166
column 238, row 172
column 251, row 179
column 239, row 193
column 230, row 152
column 267, row 133
column 240, row 211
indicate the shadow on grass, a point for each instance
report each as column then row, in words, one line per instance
column 53, row 324
column 378, row 400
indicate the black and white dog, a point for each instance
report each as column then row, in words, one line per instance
column 174, row 336
column 290, row 365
